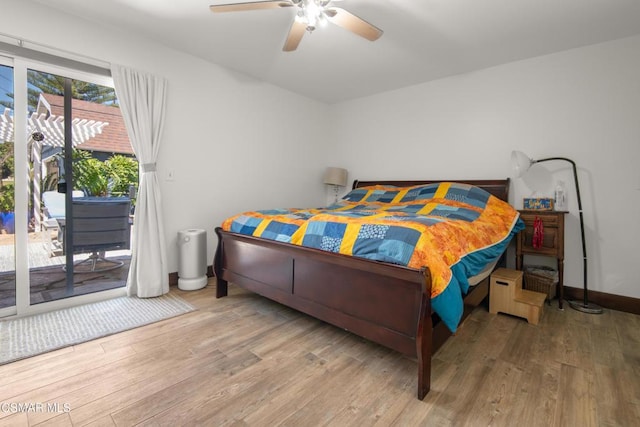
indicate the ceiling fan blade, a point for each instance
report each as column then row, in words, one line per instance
column 353, row 23
column 295, row 35
column 252, row 5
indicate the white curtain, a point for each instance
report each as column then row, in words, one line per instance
column 142, row 100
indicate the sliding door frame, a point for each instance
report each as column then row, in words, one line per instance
column 23, row 305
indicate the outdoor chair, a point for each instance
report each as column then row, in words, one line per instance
column 100, row 224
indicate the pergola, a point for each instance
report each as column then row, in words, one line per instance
column 52, row 127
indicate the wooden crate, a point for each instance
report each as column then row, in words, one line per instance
column 507, row 296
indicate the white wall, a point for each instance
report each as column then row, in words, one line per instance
column 583, row 104
column 233, row 143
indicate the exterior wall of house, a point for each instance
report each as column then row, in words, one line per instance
column 583, row 104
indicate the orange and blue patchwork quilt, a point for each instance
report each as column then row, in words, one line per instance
column 453, row 229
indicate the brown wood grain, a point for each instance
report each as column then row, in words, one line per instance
column 282, row 367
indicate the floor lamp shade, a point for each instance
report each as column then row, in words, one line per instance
column 521, row 163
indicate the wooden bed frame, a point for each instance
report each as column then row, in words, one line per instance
column 385, row 303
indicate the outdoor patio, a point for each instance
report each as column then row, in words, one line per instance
column 46, row 274
column 105, row 176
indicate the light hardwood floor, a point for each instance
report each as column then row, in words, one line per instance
column 243, row 360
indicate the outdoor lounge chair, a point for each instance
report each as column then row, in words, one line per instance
column 54, row 215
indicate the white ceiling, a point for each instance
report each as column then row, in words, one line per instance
column 423, row 39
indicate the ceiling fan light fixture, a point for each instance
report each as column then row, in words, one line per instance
column 311, row 13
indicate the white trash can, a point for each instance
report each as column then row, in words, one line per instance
column 192, row 259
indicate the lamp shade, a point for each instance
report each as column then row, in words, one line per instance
column 335, row 176
column 520, row 163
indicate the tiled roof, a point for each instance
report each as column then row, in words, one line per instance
column 113, row 139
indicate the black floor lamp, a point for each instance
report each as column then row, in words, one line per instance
column 521, row 163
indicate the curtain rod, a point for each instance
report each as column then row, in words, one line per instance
column 42, row 52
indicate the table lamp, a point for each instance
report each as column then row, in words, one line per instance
column 336, row 177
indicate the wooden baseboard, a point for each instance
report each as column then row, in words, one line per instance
column 610, row 301
column 173, row 277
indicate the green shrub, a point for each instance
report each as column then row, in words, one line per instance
column 6, row 160
column 7, row 200
column 123, row 172
column 96, row 178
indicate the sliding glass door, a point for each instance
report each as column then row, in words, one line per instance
column 73, row 211
column 7, row 184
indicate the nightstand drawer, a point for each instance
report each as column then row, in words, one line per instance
column 550, row 241
column 547, row 220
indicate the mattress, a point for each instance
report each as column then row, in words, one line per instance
column 474, row 280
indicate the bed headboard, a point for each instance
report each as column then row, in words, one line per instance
column 497, row 187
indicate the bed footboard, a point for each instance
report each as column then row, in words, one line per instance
column 361, row 296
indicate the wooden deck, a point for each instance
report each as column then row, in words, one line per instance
column 246, row 361
column 47, row 279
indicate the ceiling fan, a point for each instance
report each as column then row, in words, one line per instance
column 309, row 15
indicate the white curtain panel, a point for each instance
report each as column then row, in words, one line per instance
column 142, row 101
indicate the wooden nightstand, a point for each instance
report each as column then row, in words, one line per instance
column 552, row 244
